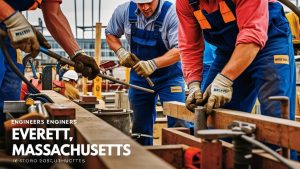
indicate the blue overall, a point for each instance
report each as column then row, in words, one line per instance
column 10, row 83
column 208, row 58
column 169, row 82
column 265, row 76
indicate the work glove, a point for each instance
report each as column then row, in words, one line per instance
column 195, row 96
column 145, row 68
column 85, row 65
column 218, row 92
column 126, row 58
column 21, row 34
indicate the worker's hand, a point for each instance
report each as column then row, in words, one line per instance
column 145, row 68
column 85, row 65
column 218, row 92
column 195, row 96
column 126, row 58
column 21, row 34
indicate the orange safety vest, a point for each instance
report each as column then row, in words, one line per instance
column 226, row 13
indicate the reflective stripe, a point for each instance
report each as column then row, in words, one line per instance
column 204, row 24
column 226, row 12
column 36, row 4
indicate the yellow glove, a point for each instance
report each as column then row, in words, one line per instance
column 195, row 96
column 145, row 68
column 126, row 58
column 21, row 34
column 218, row 92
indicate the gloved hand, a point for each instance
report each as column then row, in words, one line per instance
column 218, row 92
column 195, row 96
column 85, row 65
column 21, row 34
column 126, row 58
column 145, row 68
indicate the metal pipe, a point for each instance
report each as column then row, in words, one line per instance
column 71, row 63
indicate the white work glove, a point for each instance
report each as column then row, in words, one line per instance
column 126, row 58
column 195, row 96
column 145, row 68
column 218, row 92
column 21, row 34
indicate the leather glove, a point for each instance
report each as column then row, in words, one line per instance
column 195, row 96
column 85, row 65
column 126, row 58
column 21, row 34
column 145, row 68
column 218, row 92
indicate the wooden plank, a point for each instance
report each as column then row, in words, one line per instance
column 281, row 132
column 92, row 130
column 173, row 154
column 97, row 89
column 260, row 160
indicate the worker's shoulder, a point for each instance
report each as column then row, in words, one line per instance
column 123, row 7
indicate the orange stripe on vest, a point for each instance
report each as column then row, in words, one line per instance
column 226, row 12
column 36, row 4
column 204, row 24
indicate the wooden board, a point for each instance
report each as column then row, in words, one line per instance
column 92, row 130
column 261, row 159
column 281, row 132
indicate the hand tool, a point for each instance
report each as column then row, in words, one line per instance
column 136, row 59
column 71, row 63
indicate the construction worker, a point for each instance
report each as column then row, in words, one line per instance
column 150, row 27
column 23, row 36
column 67, row 86
column 254, row 55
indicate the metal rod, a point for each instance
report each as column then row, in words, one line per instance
column 92, row 19
column 71, row 63
column 83, row 28
column 75, row 6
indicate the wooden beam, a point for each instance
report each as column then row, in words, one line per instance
column 97, row 88
column 92, row 130
column 281, row 132
column 260, row 160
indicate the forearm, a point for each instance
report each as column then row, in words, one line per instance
column 7, row 12
column 169, row 58
column 242, row 57
column 59, row 27
column 113, row 42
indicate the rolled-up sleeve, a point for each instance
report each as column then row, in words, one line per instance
column 190, row 42
column 253, row 24
column 117, row 21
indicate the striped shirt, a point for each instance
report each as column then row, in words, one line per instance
column 119, row 24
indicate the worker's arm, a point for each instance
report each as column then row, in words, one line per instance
column 191, row 44
column 253, row 28
column 113, row 42
column 59, row 27
column 169, row 58
column 252, row 36
column 114, row 30
column 7, row 12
